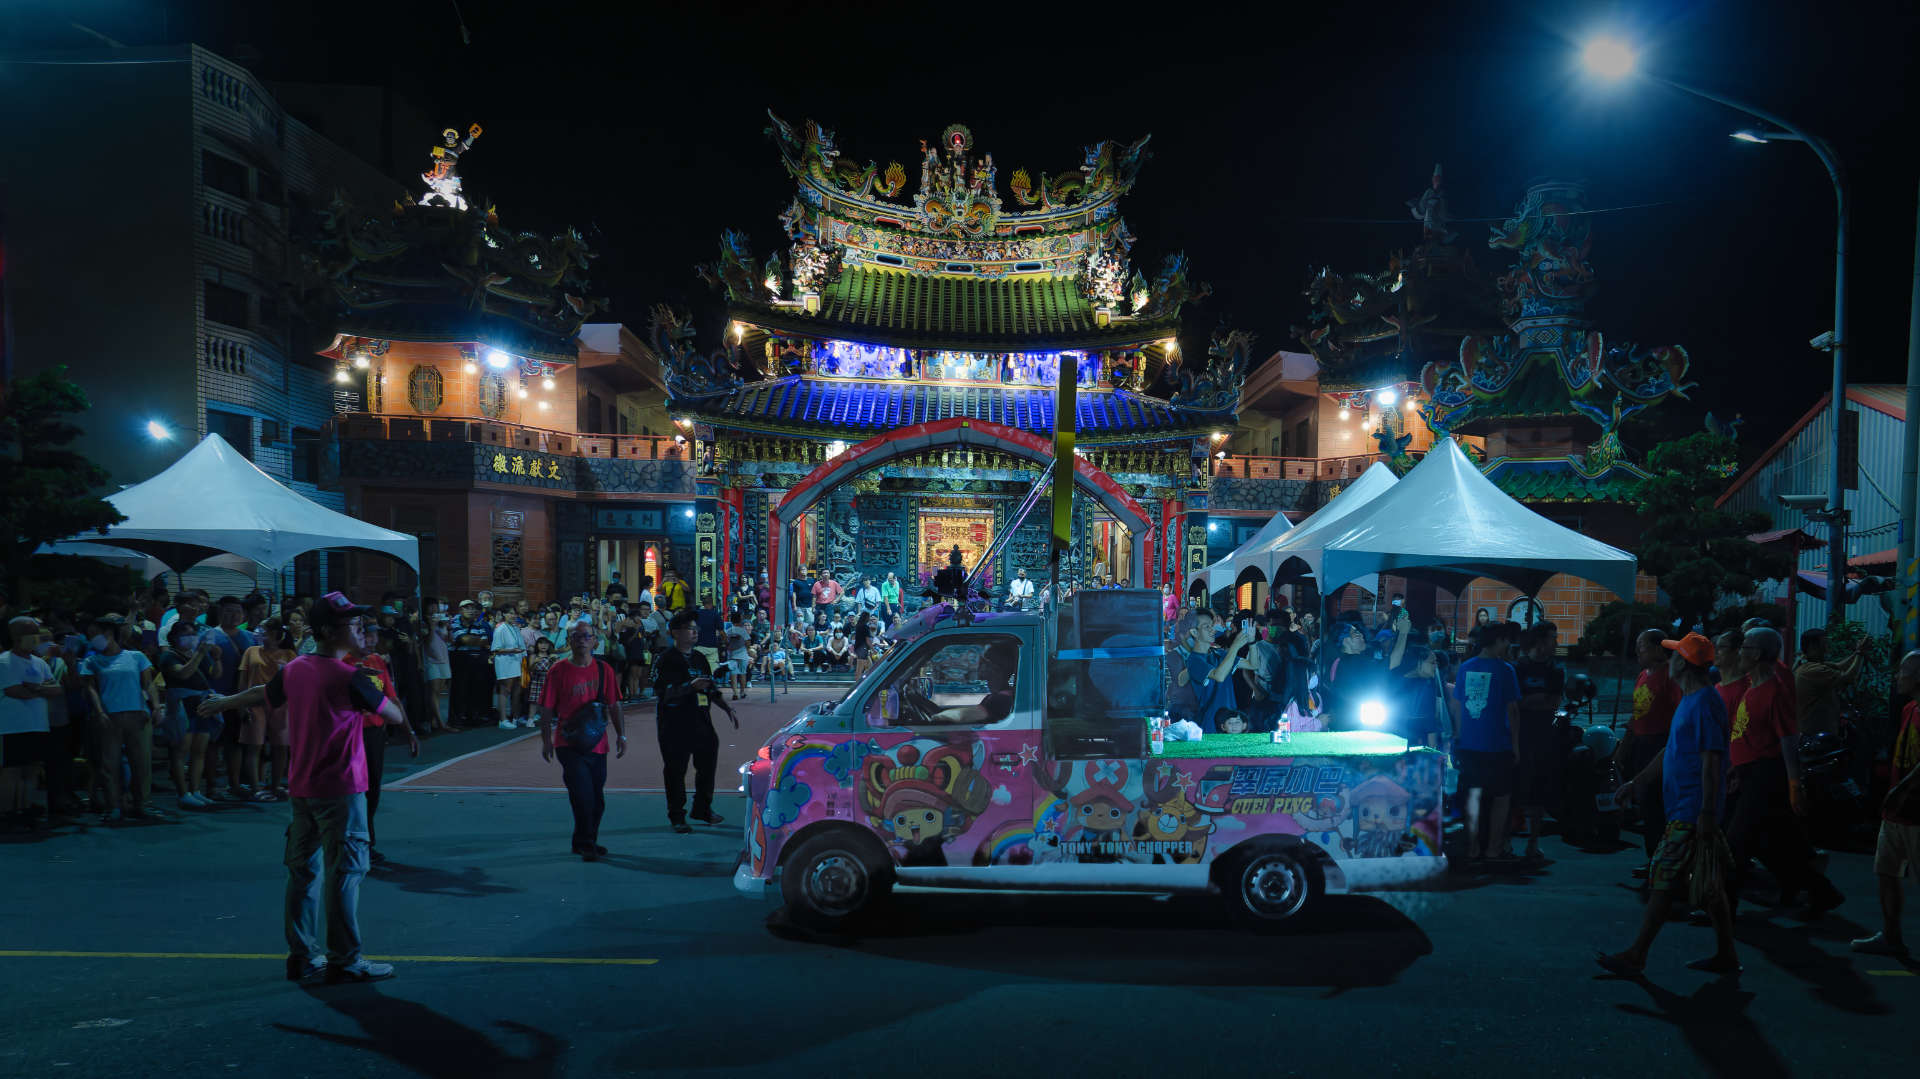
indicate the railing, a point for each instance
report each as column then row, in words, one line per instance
column 1248, row 467
column 368, row 427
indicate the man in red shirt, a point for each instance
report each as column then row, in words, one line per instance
column 1655, row 696
column 1731, row 668
column 325, row 695
column 1898, row 852
column 1768, row 798
column 572, row 687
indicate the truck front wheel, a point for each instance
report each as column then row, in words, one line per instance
column 1268, row 885
column 834, row 878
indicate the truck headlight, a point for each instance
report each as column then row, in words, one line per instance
column 1373, row 714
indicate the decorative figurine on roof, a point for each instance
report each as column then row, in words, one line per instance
column 776, row 276
column 956, row 194
column 1552, row 234
column 814, row 267
column 687, row 372
column 1430, row 209
column 1172, row 289
column 1103, row 276
column 1215, row 386
column 735, row 271
column 1393, row 443
column 443, row 176
column 812, row 153
column 1607, row 450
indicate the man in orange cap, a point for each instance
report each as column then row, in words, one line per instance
column 1692, row 775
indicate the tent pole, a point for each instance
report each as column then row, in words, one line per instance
column 1626, row 645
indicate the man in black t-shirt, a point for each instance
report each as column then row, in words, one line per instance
column 683, row 678
column 616, row 590
column 1542, row 684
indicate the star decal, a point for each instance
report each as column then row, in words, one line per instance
column 1029, row 754
column 1183, row 781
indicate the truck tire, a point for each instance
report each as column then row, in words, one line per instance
column 1268, row 884
column 834, row 879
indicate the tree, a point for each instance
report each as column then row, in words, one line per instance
column 43, row 485
column 1697, row 550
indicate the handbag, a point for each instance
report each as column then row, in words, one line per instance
column 584, row 729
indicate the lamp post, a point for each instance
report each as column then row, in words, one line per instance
column 1612, row 59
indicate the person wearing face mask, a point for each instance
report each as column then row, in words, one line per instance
column 124, row 704
column 439, row 665
column 509, row 654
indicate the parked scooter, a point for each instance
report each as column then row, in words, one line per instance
column 1587, row 814
column 1836, row 803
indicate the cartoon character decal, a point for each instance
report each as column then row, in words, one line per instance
column 922, row 798
column 1379, row 820
column 1175, row 828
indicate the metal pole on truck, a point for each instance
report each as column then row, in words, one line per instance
column 1908, row 631
column 1066, row 401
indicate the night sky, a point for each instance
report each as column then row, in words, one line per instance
column 1281, row 142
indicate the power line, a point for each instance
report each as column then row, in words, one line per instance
column 1476, row 220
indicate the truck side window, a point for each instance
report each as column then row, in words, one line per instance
column 965, row 680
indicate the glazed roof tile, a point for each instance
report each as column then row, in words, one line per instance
column 1555, row 480
column 829, row 407
column 911, row 310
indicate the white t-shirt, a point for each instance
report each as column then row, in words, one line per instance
column 506, row 638
column 18, row 716
column 1021, row 588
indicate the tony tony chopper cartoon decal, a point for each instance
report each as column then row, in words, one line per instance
column 922, row 798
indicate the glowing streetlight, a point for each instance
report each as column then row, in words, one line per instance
column 1609, row 58
column 498, row 360
column 472, row 368
column 523, row 393
column 546, row 383
column 158, row 431
column 1386, row 398
column 360, row 360
column 340, row 375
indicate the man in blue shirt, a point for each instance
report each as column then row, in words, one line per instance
column 233, row 642
column 1209, row 670
column 1488, row 744
column 1693, row 857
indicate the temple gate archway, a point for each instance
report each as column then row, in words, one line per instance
column 958, row 431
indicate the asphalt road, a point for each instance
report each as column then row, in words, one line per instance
column 529, row 962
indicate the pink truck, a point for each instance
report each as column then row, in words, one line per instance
column 1013, row 752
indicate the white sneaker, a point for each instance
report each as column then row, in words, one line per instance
column 193, row 800
column 527, row 722
column 1878, row 945
column 508, row 724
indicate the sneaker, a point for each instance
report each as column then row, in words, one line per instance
column 363, row 971
column 508, row 724
column 1879, row 945
column 194, row 800
column 300, row 970
column 528, row 723
column 114, row 815
column 683, row 827
column 710, row 817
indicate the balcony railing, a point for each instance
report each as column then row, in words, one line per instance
column 367, row 427
column 1247, row 467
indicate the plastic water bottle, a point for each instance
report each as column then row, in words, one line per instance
column 1451, row 780
column 1156, row 737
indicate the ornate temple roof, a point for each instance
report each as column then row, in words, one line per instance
column 1561, row 479
column 908, row 310
column 848, row 409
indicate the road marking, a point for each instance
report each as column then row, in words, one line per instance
column 1892, row 973
column 550, row 960
column 401, row 783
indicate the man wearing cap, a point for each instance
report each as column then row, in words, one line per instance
column 683, row 678
column 1692, row 859
column 326, row 695
column 471, row 639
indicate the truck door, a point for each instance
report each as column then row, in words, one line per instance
column 955, row 730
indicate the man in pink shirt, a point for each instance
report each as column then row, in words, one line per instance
column 326, row 695
column 826, row 592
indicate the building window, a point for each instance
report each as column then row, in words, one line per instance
column 235, row 428
column 224, row 305
column 595, row 412
column 493, row 394
column 223, row 174
column 306, row 455
column 506, row 560
column 425, row 388
column 272, row 192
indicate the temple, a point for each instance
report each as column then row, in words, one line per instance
column 926, row 329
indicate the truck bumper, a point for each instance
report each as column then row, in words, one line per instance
column 745, row 882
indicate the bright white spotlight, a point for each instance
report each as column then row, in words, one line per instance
column 1609, row 58
column 1386, row 398
column 360, row 360
column 158, row 431
column 1373, row 714
column 1749, row 135
column 546, row 383
column 523, row 393
column 342, row 376
column 498, row 360
column 472, row 368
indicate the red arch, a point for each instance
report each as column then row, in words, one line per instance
column 958, row 431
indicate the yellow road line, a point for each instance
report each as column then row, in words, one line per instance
column 557, row 960
column 1892, row 973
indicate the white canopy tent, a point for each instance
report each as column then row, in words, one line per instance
column 1257, row 552
column 1445, row 519
column 213, row 501
column 1373, row 483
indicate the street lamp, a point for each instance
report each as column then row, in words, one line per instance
column 1613, row 60
column 158, row 431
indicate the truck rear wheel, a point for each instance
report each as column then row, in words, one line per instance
column 835, row 878
column 1268, row 885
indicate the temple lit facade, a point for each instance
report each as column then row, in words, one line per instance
column 920, row 329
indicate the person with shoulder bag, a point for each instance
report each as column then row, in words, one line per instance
column 580, row 700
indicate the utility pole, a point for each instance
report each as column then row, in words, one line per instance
column 1908, row 631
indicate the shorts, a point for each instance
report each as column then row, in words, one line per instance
column 1897, row 854
column 739, row 661
column 1491, row 772
column 23, row 748
column 1673, row 859
column 1537, row 782
column 213, row 726
column 439, row 672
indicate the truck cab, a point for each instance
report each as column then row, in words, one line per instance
column 1013, row 751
